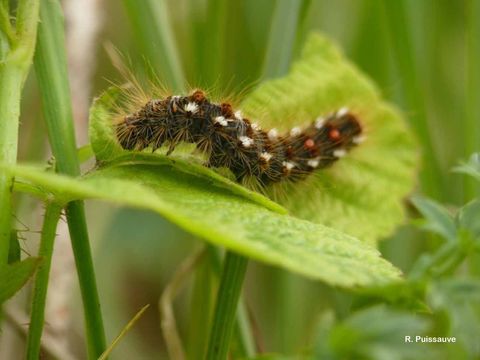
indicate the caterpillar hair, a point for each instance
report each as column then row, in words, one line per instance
column 230, row 140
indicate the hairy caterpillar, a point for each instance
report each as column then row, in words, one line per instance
column 232, row 141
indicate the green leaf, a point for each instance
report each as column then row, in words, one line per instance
column 402, row 295
column 471, row 167
column 85, row 153
column 101, row 132
column 459, row 298
column 14, row 276
column 468, row 218
column 361, row 194
column 438, row 219
column 108, row 150
column 205, row 207
column 374, row 333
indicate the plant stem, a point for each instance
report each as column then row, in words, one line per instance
column 94, row 328
column 52, row 215
column 51, row 70
column 226, row 307
column 124, row 332
column 10, row 92
column 206, row 280
column 50, row 346
column 200, row 307
column 14, row 68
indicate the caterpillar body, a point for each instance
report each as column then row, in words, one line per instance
column 232, row 141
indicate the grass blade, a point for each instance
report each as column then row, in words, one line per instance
column 51, row 70
column 231, row 282
column 15, row 275
column 37, row 317
column 124, row 331
column 201, row 301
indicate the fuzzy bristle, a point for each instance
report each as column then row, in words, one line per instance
column 231, row 140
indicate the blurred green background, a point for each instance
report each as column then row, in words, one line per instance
column 424, row 56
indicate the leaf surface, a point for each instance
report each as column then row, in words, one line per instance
column 219, row 215
column 13, row 276
column 362, row 193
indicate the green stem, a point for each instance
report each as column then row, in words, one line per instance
column 94, row 328
column 10, row 93
column 200, row 307
column 206, row 280
column 226, row 308
column 51, row 70
column 5, row 26
column 52, row 215
column 14, row 68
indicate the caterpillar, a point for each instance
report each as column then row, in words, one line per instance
column 230, row 140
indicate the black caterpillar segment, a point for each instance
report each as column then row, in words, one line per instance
column 231, row 141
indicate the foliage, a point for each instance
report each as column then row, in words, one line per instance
column 15, row 275
column 322, row 229
column 448, row 303
column 186, row 194
column 362, row 194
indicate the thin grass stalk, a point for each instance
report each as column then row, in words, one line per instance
column 37, row 316
column 207, row 277
column 229, row 292
column 51, row 70
column 200, row 307
column 123, row 332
